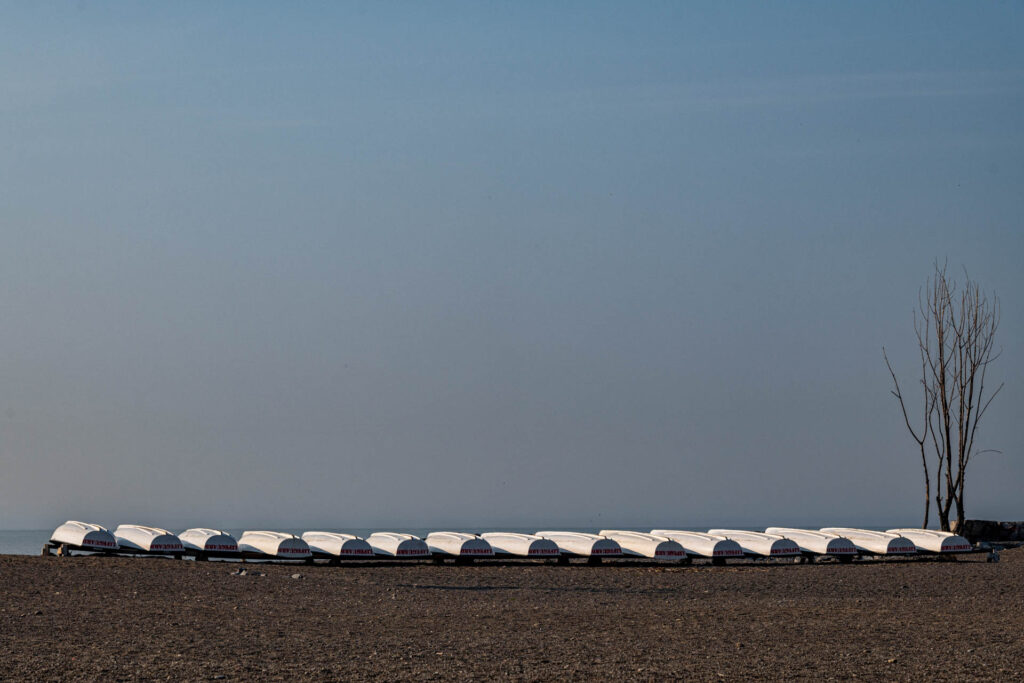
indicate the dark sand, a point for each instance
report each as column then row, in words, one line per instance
column 148, row 618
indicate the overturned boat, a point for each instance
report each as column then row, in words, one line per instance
column 81, row 536
column 398, row 545
column 273, row 545
column 639, row 544
column 521, row 545
column 334, row 546
column 579, row 544
column 458, row 545
column 935, row 541
column 703, row 545
column 817, row 542
column 760, row 544
column 874, row 542
column 205, row 543
column 147, row 540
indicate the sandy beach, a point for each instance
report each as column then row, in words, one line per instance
column 148, row 618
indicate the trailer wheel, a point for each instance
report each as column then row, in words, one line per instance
column 717, row 561
column 562, row 560
column 593, row 560
column 845, row 559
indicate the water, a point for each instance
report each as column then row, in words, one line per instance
column 23, row 542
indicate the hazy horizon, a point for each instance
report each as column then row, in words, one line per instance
column 520, row 265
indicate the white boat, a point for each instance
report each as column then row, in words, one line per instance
column 578, row 544
column 458, row 544
column 205, row 543
column 337, row 546
column 874, row 542
column 83, row 536
column 400, row 546
column 757, row 543
column 935, row 541
column 134, row 538
column 816, row 542
column 273, row 545
column 702, row 545
column 639, row 544
column 521, row 545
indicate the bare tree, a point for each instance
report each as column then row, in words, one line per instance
column 955, row 328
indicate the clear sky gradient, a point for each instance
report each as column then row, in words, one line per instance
column 494, row 264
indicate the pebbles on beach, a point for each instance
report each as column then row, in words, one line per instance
column 131, row 618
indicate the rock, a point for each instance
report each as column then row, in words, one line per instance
column 976, row 530
column 296, row 576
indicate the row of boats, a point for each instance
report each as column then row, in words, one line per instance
column 718, row 545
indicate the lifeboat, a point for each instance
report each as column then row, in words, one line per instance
column 639, row 544
column 703, row 545
column 521, row 545
column 332, row 546
column 205, row 543
column 398, row 546
column 874, row 542
column 578, row 544
column 757, row 543
column 273, row 545
column 82, row 536
column 934, row 541
column 458, row 545
column 817, row 542
column 147, row 540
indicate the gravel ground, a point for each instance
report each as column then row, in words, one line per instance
column 149, row 618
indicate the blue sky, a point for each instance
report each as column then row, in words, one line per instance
column 525, row 264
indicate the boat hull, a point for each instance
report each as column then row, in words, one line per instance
column 83, row 537
column 590, row 546
column 207, row 543
column 700, row 544
column 458, row 545
column 816, row 543
column 272, row 545
column 142, row 540
column 398, row 546
column 870, row 542
column 521, row 545
column 636, row 544
column 935, row 542
column 334, row 546
column 759, row 544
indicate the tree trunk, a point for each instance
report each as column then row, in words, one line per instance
column 960, row 510
column 927, row 501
